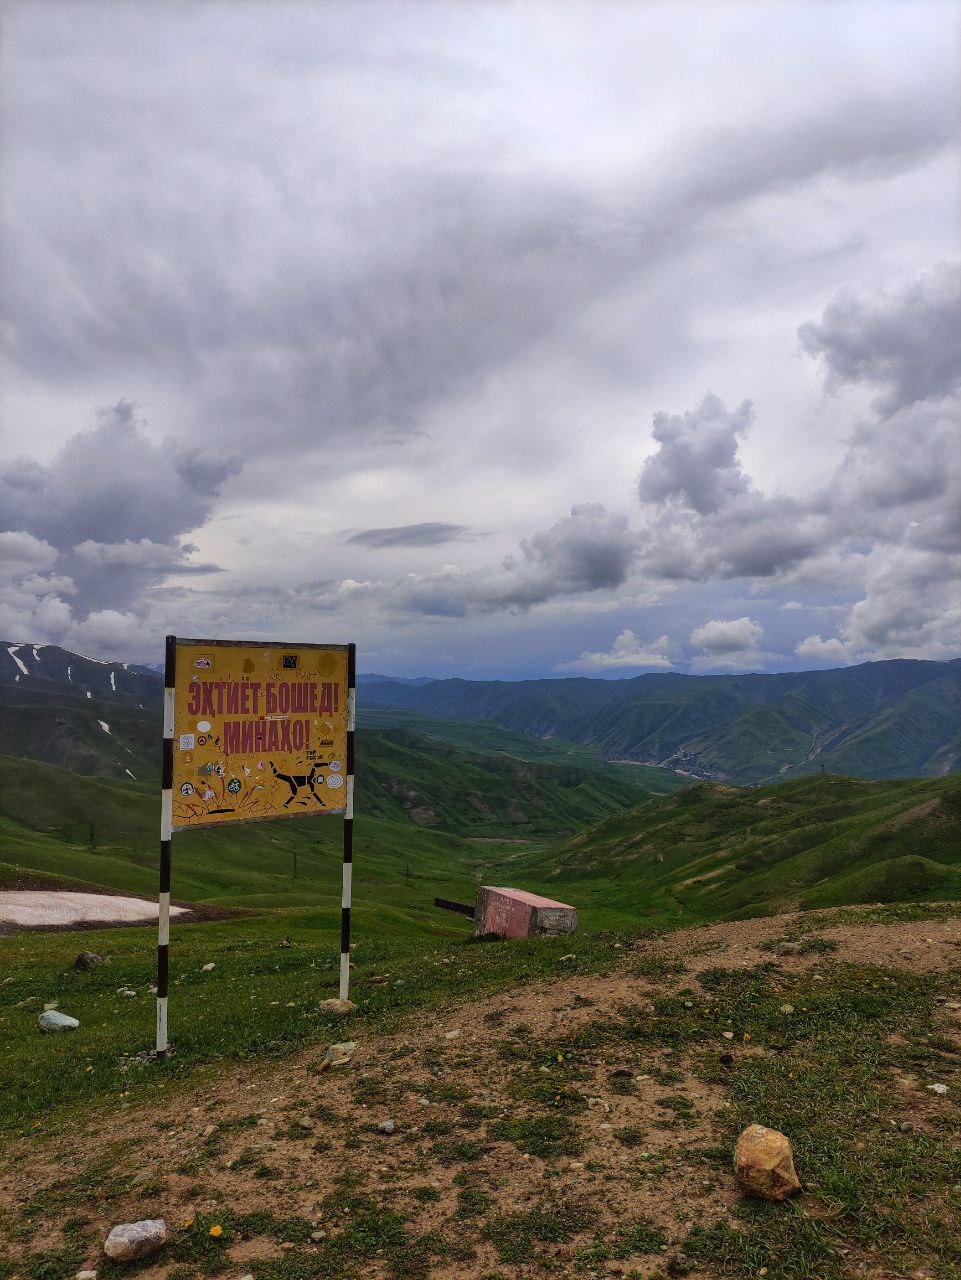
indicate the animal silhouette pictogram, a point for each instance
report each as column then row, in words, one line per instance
column 301, row 781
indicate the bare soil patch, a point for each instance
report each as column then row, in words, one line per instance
column 280, row 1137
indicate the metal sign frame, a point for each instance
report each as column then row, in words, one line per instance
column 166, row 812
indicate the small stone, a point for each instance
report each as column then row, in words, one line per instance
column 938, row 1088
column 336, row 1006
column 318, row 1235
column 51, row 1004
column 764, row 1163
column 85, row 1275
column 131, row 1240
column 787, row 1008
column 207, row 967
column 209, row 1132
column 25, row 1004
column 399, row 982
column 305, row 1122
column 452, row 1035
column 51, row 1020
column 787, row 949
column 569, row 956
column 386, row 1126
column 906, row 1126
column 338, row 1055
column 88, row 960
column 728, row 1035
column 285, row 942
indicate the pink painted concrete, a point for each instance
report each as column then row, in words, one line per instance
column 512, row 913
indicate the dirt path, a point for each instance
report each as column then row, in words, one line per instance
column 277, row 1136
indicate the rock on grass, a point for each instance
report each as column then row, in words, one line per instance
column 764, row 1163
column 51, row 1020
column 131, row 1240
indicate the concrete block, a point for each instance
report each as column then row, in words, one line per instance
column 515, row 913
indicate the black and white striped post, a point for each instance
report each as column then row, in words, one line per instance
column 166, row 822
column 348, row 824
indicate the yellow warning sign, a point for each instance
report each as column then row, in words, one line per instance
column 260, row 731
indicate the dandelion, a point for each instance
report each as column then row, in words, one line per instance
column 216, row 1231
column 747, row 1035
column 188, row 1224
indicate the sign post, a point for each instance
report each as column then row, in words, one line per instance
column 254, row 731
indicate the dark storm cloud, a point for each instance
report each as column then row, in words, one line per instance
column 114, row 505
column 709, row 521
column 906, row 341
column 888, row 521
column 429, row 534
column 697, row 460
column 309, row 234
column 260, row 256
column 590, row 550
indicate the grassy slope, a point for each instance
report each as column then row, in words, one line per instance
column 105, row 831
column 403, row 774
column 883, row 719
column 487, row 738
column 843, row 1068
column 713, row 852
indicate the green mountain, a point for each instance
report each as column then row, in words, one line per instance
column 94, row 718
column 715, row 852
column 878, row 720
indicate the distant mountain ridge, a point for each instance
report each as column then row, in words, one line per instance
column 900, row 718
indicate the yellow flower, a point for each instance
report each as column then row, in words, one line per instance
column 216, row 1231
column 188, row 1224
column 747, row 1035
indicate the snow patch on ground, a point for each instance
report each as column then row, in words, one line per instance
column 113, row 682
column 69, row 676
column 32, row 908
column 89, row 694
column 12, row 650
column 36, row 655
column 133, row 775
column 103, row 725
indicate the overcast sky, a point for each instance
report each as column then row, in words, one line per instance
column 507, row 340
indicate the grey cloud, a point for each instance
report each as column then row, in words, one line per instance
column 590, row 550
column 697, row 461
column 428, row 534
column 400, row 279
column 113, row 503
column 906, row 341
column 704, row 518
column 723, row 638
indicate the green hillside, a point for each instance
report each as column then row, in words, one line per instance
column 403, row 775
column 105, row 833
column 880, row 719
column 715, row 852
column 485, row 737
